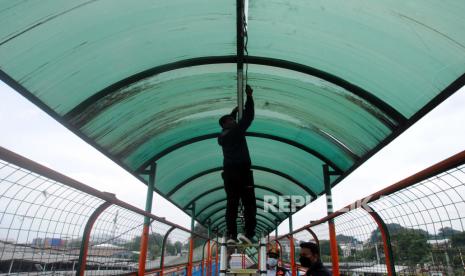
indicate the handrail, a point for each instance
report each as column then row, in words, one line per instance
column 440, row 167
column 37, row 168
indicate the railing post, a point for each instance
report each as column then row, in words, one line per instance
column 315, row 237
column 280, row 250
column 292, row 247
column 217, row 267
column 148, row 208
column 332, row 228
column 86, row 236
column 209, row 253
column 385, row 236
column 202, row 261
column 163, row 245
column 191, row 243
column 212, row 246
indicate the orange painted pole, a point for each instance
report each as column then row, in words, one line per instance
column 386, row 242
column 291, row 244
column 315, row 237
column 333, row 247
column 209, row 259
column 143, row 249
column 332, row 228
column 280, row 250
column 217, row 248
column 447, row 164
column 292, row 249
column 85, row 239
column 191, row 244
column 163, row 247
column 145, row 232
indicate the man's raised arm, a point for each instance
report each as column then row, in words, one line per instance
column 249, row 111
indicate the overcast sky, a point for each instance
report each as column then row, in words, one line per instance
column 27, row 130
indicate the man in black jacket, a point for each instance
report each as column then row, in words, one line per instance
column 310, row 258
column 237, row 175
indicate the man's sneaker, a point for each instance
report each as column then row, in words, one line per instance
column 243, row 238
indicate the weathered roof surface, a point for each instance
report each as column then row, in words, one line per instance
column 146, row 81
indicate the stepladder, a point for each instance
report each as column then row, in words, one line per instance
column 243, row 259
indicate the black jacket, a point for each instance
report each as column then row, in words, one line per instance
column 235, row 150
column 318, row 269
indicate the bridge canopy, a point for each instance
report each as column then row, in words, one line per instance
column 146, row 81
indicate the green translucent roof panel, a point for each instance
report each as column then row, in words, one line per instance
column 267, row 184
column 89, row 45
column 405, row 52
column 146, row 81
column 343, row 125
column 294, row 162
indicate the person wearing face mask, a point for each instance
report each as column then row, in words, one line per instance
column 272, row 263
column 310, row 258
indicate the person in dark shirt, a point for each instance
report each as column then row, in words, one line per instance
column 310, row 258
column 237, row 174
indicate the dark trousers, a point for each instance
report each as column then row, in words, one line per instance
column 239, row 185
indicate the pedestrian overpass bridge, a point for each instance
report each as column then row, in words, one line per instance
column 145, row 82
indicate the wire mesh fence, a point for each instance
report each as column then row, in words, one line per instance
column 415, row 230
column 359, row 243
column 426, row 224
column 115, row 242
column 41, row 222
column 44, row 225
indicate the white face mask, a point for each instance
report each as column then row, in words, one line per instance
column 272, row 262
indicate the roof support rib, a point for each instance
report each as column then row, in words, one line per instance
column 221, row 187
column 224, row 208
column 260, row 225
column 284, row 64
column 263, row 220
column 260, row 168
column 258, row 215
column 225, row 200
column 249, row 134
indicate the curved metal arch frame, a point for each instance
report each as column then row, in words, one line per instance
column 259, row 217
column 449, row 90
column 260, row 224
column 224, row 200
column 260, row 168
column 224, row 208
column 300, row 146
column 219, row 222
column 256, row 186
column 221, row 187
column 266, row 61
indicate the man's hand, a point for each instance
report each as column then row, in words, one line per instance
column 235, row 110
column 248, row 90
